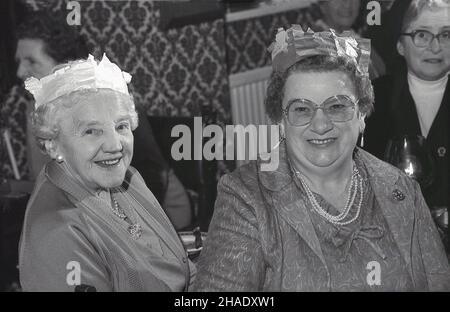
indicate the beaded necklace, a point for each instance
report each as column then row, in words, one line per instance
column 134, row 229
column 356, row 186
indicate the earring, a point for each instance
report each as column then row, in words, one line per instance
column 278, row 144
column 59, row 158
column 362, row 127
column 282, row 138
column 281, row 132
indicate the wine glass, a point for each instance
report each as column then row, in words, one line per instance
column 410, row 154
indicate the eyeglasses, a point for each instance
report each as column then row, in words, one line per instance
column 338, row 108
column 423, row 38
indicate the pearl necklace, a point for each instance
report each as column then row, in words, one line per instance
column 134, row 229
column 356, row 185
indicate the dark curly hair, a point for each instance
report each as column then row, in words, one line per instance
column 319, row 64
column 62, row 42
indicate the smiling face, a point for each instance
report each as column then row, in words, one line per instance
column 340, row 14
column 32, row 59
column 432, row 62
column 96, row 141
column 321, row 144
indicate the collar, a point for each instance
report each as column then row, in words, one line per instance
column 415, row 83
column 56, row 174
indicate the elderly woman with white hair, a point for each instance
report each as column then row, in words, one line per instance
column 92, row 223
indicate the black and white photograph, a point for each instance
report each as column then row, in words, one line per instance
column 209, row 147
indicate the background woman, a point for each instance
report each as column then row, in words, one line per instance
column 347, row 15
column 91, row 219
column 415, row 99
column 330, row 210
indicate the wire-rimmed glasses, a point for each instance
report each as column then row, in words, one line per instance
column 423, row 38
column 338, row 108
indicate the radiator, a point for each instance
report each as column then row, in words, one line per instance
column 248, row 91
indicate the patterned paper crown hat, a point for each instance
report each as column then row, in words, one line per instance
column 294, row 44
column 78, row 75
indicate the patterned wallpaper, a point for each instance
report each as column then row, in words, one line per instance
column 12, row 113
column 247, row 40
column 180, row 72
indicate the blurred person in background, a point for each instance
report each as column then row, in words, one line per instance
column 343, row 15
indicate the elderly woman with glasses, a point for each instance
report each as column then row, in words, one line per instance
column 92, row 223
column 331, row 217
column 414, row 100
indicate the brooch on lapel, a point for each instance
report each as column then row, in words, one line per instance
column 398, row 195
column 442, row 151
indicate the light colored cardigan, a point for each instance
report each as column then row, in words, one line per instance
column 65, row 223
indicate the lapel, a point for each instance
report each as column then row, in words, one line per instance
column 81, row 197
column 162, row 226
column 288, row 202
column 399, row 214
column 78, row 195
